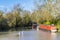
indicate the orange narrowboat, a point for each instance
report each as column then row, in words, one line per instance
column 51, row 28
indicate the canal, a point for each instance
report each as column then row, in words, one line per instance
column 30, row 35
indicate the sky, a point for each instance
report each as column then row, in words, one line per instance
column 29, row 4
column 8, row 4
column 25, row 4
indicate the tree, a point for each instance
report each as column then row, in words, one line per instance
column 10, row 19
column 16, row 12
column 47, row 11
column 26, row 17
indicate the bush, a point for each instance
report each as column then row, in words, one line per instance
column 47, row 23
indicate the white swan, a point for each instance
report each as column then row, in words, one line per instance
column 37, row 28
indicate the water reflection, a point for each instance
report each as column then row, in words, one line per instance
column 58, row 36
column 37, row 35
column 31, row 35
column 53, row 36
column 9, row 36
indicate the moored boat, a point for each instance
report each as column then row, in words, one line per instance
column 50, row 28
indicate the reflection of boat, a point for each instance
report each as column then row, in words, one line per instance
column 53, row 36
column 48, row 28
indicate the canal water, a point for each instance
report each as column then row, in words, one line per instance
column 30, row 35
column 39, row 35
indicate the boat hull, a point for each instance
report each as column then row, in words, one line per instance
column 47, row 28
column 53, row 30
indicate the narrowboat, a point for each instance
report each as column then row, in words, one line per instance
column 50, row 28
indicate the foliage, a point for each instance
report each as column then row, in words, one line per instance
column 47, row 13
column 58, row 24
